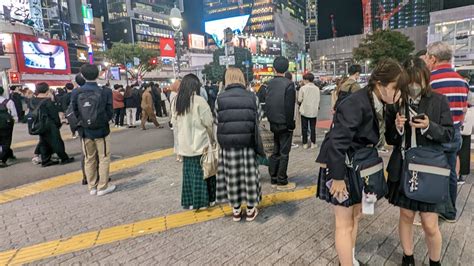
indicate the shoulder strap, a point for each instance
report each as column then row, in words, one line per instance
column 5, row 102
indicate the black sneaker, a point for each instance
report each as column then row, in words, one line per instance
column 49, row 163
column 408, row 260
column 461, row 180
column 68, row 160
column 447, row 219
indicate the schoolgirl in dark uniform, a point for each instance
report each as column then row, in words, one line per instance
column 354, row 126
column 434, row 129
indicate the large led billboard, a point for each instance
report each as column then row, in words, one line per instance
column 215, row 28
column 39, row 56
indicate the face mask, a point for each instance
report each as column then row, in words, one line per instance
column 388, row 96
column 414, row 90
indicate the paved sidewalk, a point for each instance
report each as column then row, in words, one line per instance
column 297, row 232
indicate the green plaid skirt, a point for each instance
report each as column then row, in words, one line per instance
column 196, row 192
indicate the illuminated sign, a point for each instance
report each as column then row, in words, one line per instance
column 196, row 41
column 215, row 28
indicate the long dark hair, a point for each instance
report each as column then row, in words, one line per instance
column 128, row 92
column 189, row 86
column 388, row 71
column 419, row 73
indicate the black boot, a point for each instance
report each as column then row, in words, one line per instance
column 408, row 260
column 435, row 263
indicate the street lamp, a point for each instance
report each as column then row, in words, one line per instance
column 176, row 19
column 367, row 62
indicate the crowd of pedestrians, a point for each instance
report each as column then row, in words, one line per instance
column 418, row 107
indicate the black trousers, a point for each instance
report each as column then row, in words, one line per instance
column 278, row 163
column 311, row 122
column 6, row 143
column 51, row 142
column 163, row 107
column 158, row 111
column 119, row 116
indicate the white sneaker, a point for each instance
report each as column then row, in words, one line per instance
column 108, row 190
column 93, row 192
column 305, row 146
column 314, row 145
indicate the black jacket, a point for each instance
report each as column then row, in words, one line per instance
column 134, row 101
column 280, row 103
column 236, row 117
column 49, row 108
column 105, row 112
column 441, row 130
column 354, row 126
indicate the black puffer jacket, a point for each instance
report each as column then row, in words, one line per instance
column 236, row 117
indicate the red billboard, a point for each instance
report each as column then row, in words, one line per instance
column 167, row 47
column 37, row 55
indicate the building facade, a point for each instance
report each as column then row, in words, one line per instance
column 311, row 31
column 456, row 27
column 142, row 22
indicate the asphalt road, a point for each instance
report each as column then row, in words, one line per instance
column 125, row 143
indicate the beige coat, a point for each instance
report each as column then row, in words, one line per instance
column 194, row 128
column 147, row 101
column 308, row 98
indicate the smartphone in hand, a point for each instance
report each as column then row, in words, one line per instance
column 419, row 116
column 339, row 199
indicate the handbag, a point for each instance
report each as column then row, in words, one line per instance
column 209, row 160
column 426, row 172
column 367, row 166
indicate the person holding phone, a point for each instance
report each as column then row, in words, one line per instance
column 355, row 126
column 422, row 118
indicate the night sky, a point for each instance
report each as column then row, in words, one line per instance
column 347, row 14
column 193, row 17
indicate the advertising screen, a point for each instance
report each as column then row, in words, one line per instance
column 215, row 28
column 196, row 41
column 269, row 46
column 39, row 56
column 246, row 42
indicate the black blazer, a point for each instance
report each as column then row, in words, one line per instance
column 441, row 130
column 354, row 126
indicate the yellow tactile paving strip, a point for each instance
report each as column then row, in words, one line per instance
column 145, row 227
column 75, row 177
column 65, row 137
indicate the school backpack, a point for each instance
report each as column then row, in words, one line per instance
column 71, row 117
column 88, row 103
column 37, row 120
column 6, row 120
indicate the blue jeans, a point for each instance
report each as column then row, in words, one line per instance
column 451, row 149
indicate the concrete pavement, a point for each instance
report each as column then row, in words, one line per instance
column 295, row 228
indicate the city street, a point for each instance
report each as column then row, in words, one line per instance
column 143, row 222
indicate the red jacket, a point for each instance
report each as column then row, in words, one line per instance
column 118, row 100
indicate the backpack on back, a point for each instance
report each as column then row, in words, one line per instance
column 37, row 120
column 88, row 103
column 6, row 120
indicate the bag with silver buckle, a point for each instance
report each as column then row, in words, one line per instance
column 426, row 175
column 426, row 171
column 368, row 167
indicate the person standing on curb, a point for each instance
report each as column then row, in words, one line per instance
column 280, row 110
column 446, row 81
column 193, row 119
column 238, row 177
column 93, row 107
column 308, row 99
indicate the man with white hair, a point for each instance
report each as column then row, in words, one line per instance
column 446, row 81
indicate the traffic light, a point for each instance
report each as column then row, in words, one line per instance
column 154, row 61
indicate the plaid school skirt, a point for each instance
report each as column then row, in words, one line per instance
column 354, row 187
column 238, row 177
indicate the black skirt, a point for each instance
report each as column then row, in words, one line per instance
column 353, row 187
